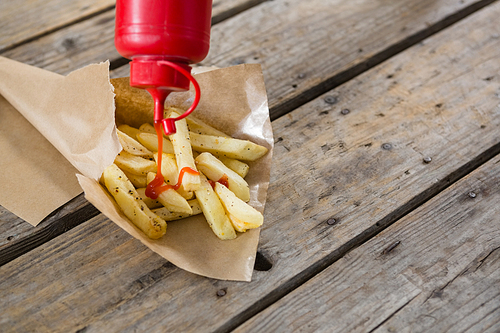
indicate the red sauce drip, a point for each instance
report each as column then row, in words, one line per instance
column 159, row 135
column 181, row 175
column 157, row 185
column 223, row 180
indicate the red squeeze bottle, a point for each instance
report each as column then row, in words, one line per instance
column 162, row 37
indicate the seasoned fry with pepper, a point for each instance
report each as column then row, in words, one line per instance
column 131, row 204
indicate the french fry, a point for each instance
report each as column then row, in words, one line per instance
column 170, row 173
column 148, row 128
column 133, row 146
column 137, row 180
column 215, row 170
column 227, row 147
column 214, row 211
column 131, row 205
column 134, row 164
column 239, row 167
column 151, row 203
column 242, row 215
column 172, row 200
column 167, row 215
column 184, row 153
column 168, row 168
column 129, row 130
column 150, row 141
column 197, row 126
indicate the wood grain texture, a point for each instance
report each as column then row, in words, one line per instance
column 224, row 9
column 19, row 237
column 87, row 42
column 327, row 41
column 335, row 179
column 21, row 22
column 342, row 34
column 436, row 270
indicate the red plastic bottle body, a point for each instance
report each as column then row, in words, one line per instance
column 150, row 30
column 176, row 29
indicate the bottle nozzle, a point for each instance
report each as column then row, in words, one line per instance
column 159, row 95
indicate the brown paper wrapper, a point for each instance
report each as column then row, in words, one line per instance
column 75, row 121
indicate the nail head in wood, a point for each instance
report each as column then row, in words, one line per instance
column 386, row 146
column 221, row 292
column 331, row 221
column 472, row 194
column 345, row 111
column 330, row 99
column 427, row 159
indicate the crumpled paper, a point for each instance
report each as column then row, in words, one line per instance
column 53, row 127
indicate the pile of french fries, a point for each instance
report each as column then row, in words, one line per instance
column 215, row 155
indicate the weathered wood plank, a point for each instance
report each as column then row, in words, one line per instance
column 97, row 242
column 21, row 22
column 307, row 48
column 363, row 168
column 436, row 270
column 224, row 9
column 468, row 302
column 19, row 237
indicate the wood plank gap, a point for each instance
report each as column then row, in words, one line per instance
column 42, row 235
column 352, row 72
column 222, row 16
column 117, row 63
column 316, row 268
column 51, row 31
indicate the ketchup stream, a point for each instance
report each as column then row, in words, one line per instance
column 157, row 185
column 160, row 94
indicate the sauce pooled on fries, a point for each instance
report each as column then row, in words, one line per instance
column 157, row 185
column 223, row 180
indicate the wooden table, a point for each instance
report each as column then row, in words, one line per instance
column 383, row 212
